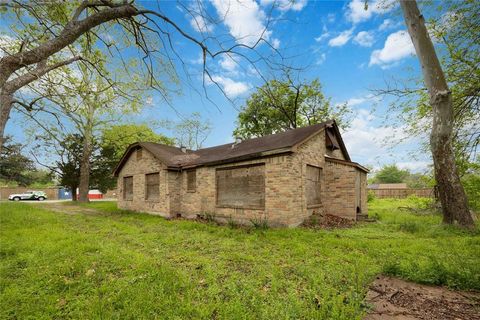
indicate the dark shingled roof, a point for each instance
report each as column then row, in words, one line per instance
column 277, row 143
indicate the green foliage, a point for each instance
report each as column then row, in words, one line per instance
column 14, row 165
column 281, row 105
column 119, row 137
column 370, row 196
column 114, row 142
column 471, row 184
column 391, row 174
column 120, row 264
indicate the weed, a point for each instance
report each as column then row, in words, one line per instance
column 409, row 226
column 260, row 222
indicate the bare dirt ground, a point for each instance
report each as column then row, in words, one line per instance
column 68, row 208
column 396, row 299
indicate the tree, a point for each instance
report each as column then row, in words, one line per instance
column 119, row 137
column 454, row 26
column 391, row 174
column 114, row 142
column 283, row 105
column 14, row 165
column 67, row 152
column 48, row 37
column 451, row 193
column 192, row 131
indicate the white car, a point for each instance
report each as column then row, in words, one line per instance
column 29, row 195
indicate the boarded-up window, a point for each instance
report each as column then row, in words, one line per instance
column 152, row 186
column 191, row 180
column 128, row 188
column 139, row 154
column 241, row 187
column 313, row 187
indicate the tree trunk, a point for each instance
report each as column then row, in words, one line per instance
column 5, row 107
column 451, row 192
column 87, row 152
column 84, row 184
column 74, row 192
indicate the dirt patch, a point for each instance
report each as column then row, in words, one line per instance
column 68, row 208
column 327, row 221
column 393, row 298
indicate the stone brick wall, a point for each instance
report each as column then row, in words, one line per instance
column 340, row 190
column 138, row 168
column 281, row 193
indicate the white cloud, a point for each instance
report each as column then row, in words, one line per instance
column 386, row 24
column 360, row 100
column 341, row 39
column 364, row 38
column 414, row 166
column 322, row 36
column 231, row 87
column 228, row 63
column 285, row 5
column 331, row 17
column 321, row 59
column 365, row 138
column 276, row 43
column 356, row 9
column 199, row 24
column 244, row 20
column 397, row 46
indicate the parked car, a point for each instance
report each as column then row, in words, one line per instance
column 29, row 195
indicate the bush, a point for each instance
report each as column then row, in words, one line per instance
column 371, row 196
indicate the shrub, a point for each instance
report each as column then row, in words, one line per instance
column 371, row 196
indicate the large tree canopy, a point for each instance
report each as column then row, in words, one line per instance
column 282, row 105
column 45, row 37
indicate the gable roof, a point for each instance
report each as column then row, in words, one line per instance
column 278, row 143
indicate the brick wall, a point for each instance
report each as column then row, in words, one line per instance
column 138, row 168
column 340, row 190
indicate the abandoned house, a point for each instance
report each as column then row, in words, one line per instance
column 282, row 178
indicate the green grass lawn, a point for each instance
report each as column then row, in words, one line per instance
column 122, row 265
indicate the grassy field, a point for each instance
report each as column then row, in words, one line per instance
column 122, row 265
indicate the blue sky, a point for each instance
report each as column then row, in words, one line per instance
column 350, row 50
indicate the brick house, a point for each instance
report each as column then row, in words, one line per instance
column 281, row 178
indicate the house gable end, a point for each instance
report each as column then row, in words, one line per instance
column 333, row 139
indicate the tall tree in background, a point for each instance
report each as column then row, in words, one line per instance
column 67, row 152
column 451, row 193
column 14, row 165
column 192, row 131
column 114, row 141
column 281, row 105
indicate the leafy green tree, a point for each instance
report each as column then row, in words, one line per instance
column 119, row 137
column 391, row 174
column 282, row 105
column 451, row 192
column 14, row 165
column 114, row 142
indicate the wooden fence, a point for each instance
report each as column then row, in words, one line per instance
column 402, row 193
